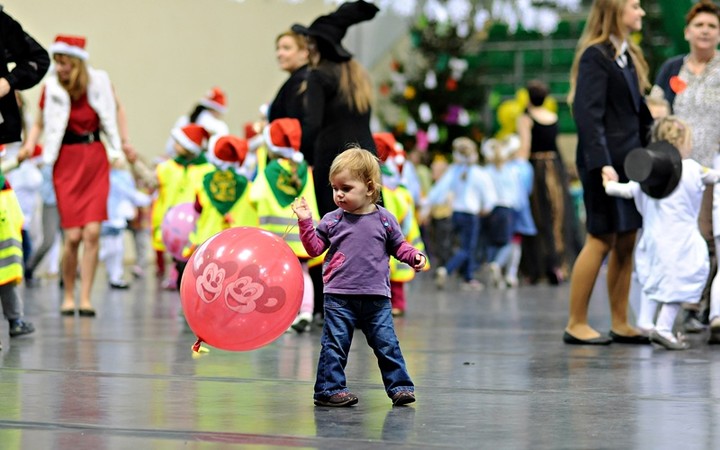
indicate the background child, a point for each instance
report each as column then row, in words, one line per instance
column 223, row 197
column 11, row 270
column 285, row 177
column 360, row 236
column 671, row 270
column 178, row 180
column 123, row 200
column 470, row 191
column 398, row 200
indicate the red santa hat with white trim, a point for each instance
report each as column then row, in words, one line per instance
column 283, row 137
column 66, row 44
column 227, row 151
column 216, row 100
column 192, row 138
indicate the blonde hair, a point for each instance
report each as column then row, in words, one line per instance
column 674, row 130
column 604, row 20
column 354, row 86
column 362, row 165
column 77, row 84
column 465, row 150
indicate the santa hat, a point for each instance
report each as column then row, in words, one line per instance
column 215, row 100
column 282, row 137
column 228, row 149
column 192, row 137
column 384, row 144
column 70, row 45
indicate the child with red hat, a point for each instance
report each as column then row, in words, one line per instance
column 285, row 177
column 179, row 179
column 223, row 198
column 399, row 201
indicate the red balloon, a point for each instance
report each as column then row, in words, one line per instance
column 241, row 289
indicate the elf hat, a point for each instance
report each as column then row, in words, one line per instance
column 282, row 137
column 216, row 100
column 70, row 45
column 192, row 138
column 657, row 168
column 229, row 148
column 329, row 30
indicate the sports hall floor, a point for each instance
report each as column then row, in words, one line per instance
column 491, row 372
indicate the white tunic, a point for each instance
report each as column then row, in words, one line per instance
column 671, row 257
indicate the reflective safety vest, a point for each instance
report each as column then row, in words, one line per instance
column 211, row 222
column 399, row 202
column 11, row 253
column 176, row 184
column 282, row 221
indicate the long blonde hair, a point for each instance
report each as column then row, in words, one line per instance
column 604, row 20
column 77, row 84
column 355, row 87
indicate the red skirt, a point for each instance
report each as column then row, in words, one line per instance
column 81, row 177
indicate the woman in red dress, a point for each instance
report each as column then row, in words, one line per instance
column 77, row 103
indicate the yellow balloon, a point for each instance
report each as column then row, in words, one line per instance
column 522, row 97
column 507, row 115
column 551, row 104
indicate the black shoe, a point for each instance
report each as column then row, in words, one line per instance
column 714, row 337
column 119, row 285
column 18, row 327
column 86, row 312
column 572, row 340
column 637, row 339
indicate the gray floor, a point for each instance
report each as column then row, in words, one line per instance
column 490, row 369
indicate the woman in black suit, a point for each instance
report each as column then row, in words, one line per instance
column 608, row 78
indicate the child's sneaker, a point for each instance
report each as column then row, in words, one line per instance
column 441, row 275
column 339, row 399
column 18, row 327
column 403, row 398
column 496, row 276
column 472, row 285
column 302, row 322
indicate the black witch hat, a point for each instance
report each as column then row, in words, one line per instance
column 657, row 168
column 330, row 29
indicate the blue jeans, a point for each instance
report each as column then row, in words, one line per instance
column 467, row 227
column 372, row 315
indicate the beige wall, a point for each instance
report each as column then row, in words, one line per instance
column 163, row 55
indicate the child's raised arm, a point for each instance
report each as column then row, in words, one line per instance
column 301, row 208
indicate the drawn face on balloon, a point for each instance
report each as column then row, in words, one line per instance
column 210, row 276
column 249, row 293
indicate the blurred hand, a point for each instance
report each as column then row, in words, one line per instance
column 420, row 261
column 4, row 87
column 301, row 209
column 609, row 174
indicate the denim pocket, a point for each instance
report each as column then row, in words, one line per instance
column 381, row 303
column 334, row 302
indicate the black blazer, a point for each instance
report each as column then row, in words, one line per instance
column 31, row 63
column 610, row 113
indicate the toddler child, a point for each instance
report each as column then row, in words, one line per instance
column 360, row 236
column 671, row 256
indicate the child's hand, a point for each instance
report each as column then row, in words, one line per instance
column 301, row 209
column 420, row 261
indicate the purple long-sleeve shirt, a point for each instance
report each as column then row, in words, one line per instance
column 360, row 246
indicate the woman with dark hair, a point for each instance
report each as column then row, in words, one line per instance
column 551, row 251
column 338, row 96
column 691, row 84
column 608, row 78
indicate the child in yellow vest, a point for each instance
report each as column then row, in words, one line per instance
column 178, row 180
column 398, row 200
column 223, row 199
column 11, row 254
column 285, row 177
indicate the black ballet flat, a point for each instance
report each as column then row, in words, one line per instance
column 637, row 339
column 86, row 312
column 572, row 340
column 67, row 312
